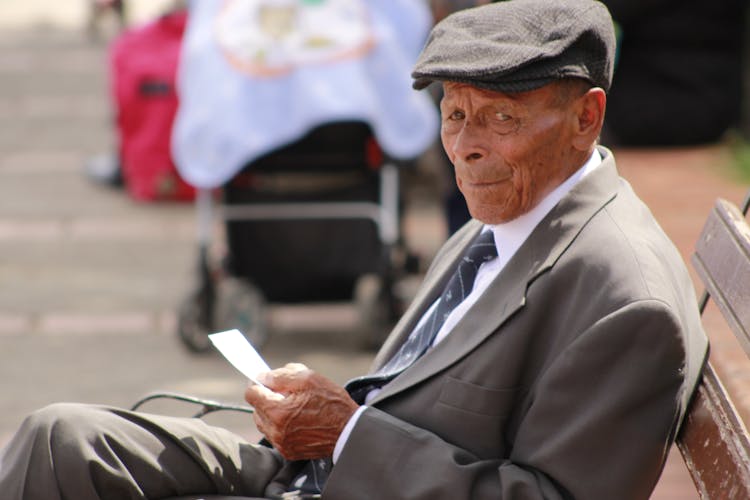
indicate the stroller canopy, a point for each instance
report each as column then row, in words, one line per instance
column 255, row 75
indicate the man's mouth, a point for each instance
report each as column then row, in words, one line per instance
column 487, row 183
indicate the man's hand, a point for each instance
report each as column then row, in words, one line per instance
column 299, row 411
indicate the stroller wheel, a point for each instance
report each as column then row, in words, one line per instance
column 192, row 327
column 376, row 313
column 241, row 305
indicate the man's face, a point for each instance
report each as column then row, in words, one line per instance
column 508, row 150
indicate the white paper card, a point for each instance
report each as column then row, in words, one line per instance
column 238, row 351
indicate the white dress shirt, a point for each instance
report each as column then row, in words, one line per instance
column 509, row 236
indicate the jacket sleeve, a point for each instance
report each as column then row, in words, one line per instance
column 597, row 424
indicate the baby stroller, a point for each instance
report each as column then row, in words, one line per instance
column 291, row 109
column 314, row 221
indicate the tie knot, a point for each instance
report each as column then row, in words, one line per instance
column 482, row 249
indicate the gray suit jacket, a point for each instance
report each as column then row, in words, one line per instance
column 567, row 379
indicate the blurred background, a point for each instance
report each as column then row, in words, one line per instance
column 94, row 278
column 91, row 276
column 70, row 14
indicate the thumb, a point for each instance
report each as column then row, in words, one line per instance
column 258, row 396
column 290, row 378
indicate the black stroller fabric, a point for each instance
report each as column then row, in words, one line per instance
column 303, row 260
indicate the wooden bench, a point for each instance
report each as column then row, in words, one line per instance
column 713, row 440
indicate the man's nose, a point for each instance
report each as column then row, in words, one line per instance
column 469, row 145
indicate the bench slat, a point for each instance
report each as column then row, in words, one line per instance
column 713, row 439
column 722, row 260
column 714, row 443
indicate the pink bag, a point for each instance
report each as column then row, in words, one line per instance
column 143, row 65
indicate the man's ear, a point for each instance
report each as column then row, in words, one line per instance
column 590, row 117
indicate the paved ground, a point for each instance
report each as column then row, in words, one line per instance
column 89, row 280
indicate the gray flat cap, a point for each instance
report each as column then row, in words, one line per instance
column 520, row 45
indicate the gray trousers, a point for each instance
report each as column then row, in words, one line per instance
column 86, row 452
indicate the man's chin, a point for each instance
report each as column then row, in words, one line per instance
column 492, row 215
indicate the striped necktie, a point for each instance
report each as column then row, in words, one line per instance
column 459, row 286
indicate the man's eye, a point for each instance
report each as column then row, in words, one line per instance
column 457, row 115
column 502, row 117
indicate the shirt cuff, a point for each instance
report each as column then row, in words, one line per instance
column 344, row 437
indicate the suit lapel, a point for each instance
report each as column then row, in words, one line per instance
column 429, row 291
column 506, row 295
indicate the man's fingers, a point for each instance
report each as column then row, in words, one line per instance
column 259, row 396
column 287, row 379
column 260, row 422
column 302, row 413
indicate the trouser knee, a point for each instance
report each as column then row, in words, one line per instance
column 61, row 423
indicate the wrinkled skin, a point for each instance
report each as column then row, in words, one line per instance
column 299, row 411
column 510, row 150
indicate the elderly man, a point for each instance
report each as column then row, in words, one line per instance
column 550, row 352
